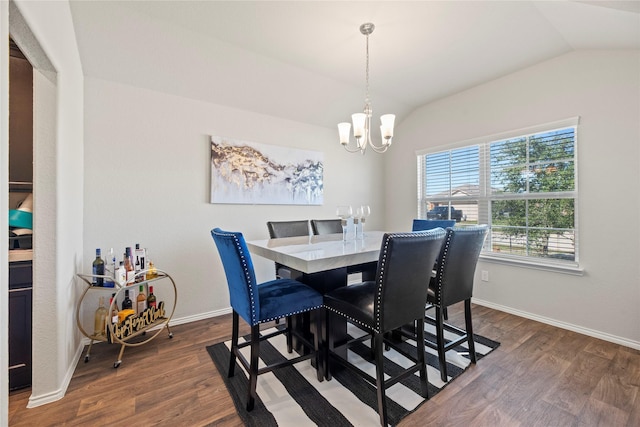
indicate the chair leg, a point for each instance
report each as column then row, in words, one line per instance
column 379, row 358
column 234, row 344
column 288, row 335
column 469, row 327
column 317, row 319
column 326, row 345
column 424, row 387
column 253, row 366
column 446, row 313
column 441, row 343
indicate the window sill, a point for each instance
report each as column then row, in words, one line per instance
column 555, row 267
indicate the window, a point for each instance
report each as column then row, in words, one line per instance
column 523, row 184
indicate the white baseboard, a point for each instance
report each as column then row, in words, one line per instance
column 569, row 326
column 57, row 394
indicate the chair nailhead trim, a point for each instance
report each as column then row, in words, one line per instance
column 351, row 319
column 290, row 314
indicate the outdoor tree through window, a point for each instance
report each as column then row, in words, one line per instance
column 523, row 186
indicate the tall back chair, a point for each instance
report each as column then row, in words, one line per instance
column 453, row 283
column 280, row 229
column 429, row 224
column 260, row 303
column 326, row 226
column 395, row 298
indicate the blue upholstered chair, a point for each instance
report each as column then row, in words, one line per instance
column 453, row 283
column 429, row 224
column 260, row 303
column 396, row 297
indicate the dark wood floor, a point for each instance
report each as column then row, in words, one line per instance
column 539, row 376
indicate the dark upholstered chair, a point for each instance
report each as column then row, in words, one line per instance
column 326, row 226
column 453, row 283
column 260, row 303
column 395, row 298
column 280, row 229
column 429, row 224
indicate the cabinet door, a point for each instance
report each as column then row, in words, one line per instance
column 20, row 326
column 19, row 338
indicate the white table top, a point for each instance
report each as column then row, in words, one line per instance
column 312, row 254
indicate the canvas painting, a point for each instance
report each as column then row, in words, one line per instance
column 254, row 173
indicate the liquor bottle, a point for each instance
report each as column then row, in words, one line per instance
column 98, row 270
column 151, row 299
column 114, row 309
column 137, row 269
column 151, row 271
column 121, row 276
column 128, row 264
column 127, row 304
column 100, row 319
column 141, row 255
column 141, row 301
column 110, row 270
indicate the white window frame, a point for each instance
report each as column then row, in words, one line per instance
column 485, row 197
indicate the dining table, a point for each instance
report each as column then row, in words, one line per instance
column 323, row 262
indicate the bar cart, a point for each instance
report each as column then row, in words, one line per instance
column 134, row 330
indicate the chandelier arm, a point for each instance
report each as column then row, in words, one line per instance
column 379, row 148
column 351, row 150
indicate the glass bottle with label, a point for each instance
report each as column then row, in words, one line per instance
column 100, row 319
column 127, row 304
column 98, row 270
column 151, row 299
column 141, row 301
column 114, row 310
column 128, row 264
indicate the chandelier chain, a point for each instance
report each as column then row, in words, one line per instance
column 367, row 72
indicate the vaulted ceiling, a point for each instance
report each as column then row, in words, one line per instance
column 305, row 60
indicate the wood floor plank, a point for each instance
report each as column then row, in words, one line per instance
column 571, row 390
column 539, row 376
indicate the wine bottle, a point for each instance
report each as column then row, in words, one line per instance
column 151, row 299
column 100, row 319
column 127, row 304
column 98, row 270
column 141, row 301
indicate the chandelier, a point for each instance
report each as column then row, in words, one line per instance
column 362, row 121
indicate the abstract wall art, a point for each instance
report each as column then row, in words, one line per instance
column 244, row 172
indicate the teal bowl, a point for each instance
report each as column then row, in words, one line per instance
column 20, row 219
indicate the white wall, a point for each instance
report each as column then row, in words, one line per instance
column 603, row 88
column 48, row 40
column 147, row 181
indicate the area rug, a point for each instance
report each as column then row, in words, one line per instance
column 292, row 396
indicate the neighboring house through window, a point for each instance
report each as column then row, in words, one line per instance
column 522, row 183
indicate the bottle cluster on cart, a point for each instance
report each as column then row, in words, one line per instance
column 135, row 266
